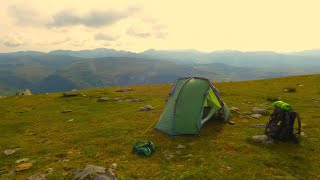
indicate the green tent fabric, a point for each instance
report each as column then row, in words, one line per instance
column 183, row 113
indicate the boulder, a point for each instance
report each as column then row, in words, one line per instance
column 66, row 111
column 89, row 171
column 22, row 160
column 103, row 99
column 124, row 90
column 146, row 108
column 10, row 151
column 256, row 116
column 180, row 146
column 23, row 167
column 315, row 100
column 70, row 94
column 247, row 113
column 258, row 125
column 257, row 110
column 262, row 138
column 234, row 109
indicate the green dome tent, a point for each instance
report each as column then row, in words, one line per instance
column 184, row 110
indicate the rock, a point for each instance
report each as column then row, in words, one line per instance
column 22, row 160
column 116, row 99
column 257, row 110
column 70, row 94
column 66, row 111
column 23, row 167
column 262, row 138
column 189, row 155
column 134, row 100
column 10, row 151
column 180, row 146
column 102, row 177
column 146, row 108
column 258, row 125
column 245, row 120
column 256, row 116
column 168, row 156
column 247, row 113
column 103, row 99
column 112, row 167
column 234, row 109
column 70, row 120
column 38, row 176
column 124, row 90
column 315, row 100
column 300, row 85
column 231, row 122
column 89, row 171
column 285, row 90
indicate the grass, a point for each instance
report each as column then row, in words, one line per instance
column 103, row 133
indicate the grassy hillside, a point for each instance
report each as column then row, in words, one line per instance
column 102, row 133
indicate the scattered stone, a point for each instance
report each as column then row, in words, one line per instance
column 256, row 116
column 168, row 156
column 257, row 110
column 262, row 138
column 258, row 125
column 303, row 134
column 23, row 167
column 116, row 99
column 101, row 177
column 124, row 90
column 245, row 120
column 146, row 108
column 247, row 113
column 22, row 160
column 103, row 99
column 113, row 166
column 38, row 176
column 70, row 120
column 66, row 111
column 301, row 85
column 134, row 100
column 180, row 146
column 70, row 94
column 88, row 171
column 41, row 176
column 234, row 109
column 285, row 90
column 187, row 156
column 225, row 168
column 231, row 122
column 10, row 151
column 315, row 100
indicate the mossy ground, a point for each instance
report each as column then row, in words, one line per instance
column 103, row 133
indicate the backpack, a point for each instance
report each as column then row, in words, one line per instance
column 281, row 122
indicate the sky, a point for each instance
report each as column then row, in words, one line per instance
column 138, row 25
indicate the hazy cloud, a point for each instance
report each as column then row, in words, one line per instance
column 91, row 19
column 146, row 34
column 14, row 40
column 61, row 41
column 105, row 37
column 25, row 16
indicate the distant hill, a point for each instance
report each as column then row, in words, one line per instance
column 63, row 70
